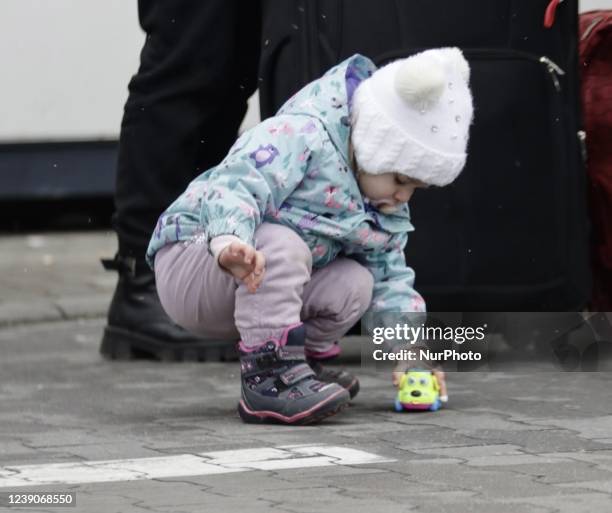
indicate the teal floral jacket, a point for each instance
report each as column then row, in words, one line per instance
column 294, row 169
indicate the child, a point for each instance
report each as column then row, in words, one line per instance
column 301, row 228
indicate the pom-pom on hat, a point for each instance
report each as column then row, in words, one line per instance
column 413, row 116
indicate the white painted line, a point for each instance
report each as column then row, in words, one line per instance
column 182, row 465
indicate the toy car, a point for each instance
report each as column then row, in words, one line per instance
column 418, row 390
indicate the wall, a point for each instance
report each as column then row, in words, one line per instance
column 66, row 65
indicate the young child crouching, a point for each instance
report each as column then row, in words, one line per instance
column 301, row 229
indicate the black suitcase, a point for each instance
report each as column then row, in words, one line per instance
column 511, row 234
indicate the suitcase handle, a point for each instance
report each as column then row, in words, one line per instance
column 549, row 15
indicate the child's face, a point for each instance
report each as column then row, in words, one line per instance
column 388, row 191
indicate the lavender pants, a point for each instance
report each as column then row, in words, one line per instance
column 198, row 295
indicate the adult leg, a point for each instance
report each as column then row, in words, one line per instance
column 198, row 67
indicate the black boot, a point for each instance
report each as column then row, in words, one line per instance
column 138, row 327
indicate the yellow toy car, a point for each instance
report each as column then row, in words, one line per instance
column 418, row 390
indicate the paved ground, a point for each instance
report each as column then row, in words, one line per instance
column 54, row 276
column 529, row 440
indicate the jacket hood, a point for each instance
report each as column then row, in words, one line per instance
column 329, row 99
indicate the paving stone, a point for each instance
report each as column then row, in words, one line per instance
column 574, row 503
column 544, row 440
column 176, row 496
column 110, row 450
column 321, row 498
column 276, row 439
column 21, row 312
column 597, row 459
column 597, row 486
column 205, row 443
column 590, row 428
column 93, row 305
column 54, row 265
column 13, row 446
column 549, row 472
column 491, row 483
column 37, row 457
column 425, row 437
column 66, row 438
column 497, row 447
column 457, row 503
column 367, row 428
column 509, row 461
column 464, row 423
column 363, row 482
column 473, row 451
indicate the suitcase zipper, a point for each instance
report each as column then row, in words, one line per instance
column 554, row 70
column 583, row 146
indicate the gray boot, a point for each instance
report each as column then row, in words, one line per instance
column 334, row 374
column 279, row 386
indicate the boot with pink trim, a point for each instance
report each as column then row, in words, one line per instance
column 279, row 386
column 319, row 362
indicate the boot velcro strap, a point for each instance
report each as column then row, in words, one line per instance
column 291, row 353
column 295, row 374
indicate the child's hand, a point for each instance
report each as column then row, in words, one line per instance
column 244, row 263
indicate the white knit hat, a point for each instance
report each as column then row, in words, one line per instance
column 413, row 116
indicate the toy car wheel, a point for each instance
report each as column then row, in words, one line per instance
column 398, row 406
column 435, row 405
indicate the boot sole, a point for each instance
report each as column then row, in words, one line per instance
column 326, row 408
column 353, row 388
column 122, row 344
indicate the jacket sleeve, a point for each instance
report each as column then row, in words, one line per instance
column 394, row 299
column 393, row 279
column 260, row 172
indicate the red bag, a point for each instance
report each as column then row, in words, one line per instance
column 596, row 60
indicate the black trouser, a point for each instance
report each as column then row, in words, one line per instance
column 198, row 66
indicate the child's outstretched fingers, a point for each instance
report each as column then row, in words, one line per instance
column 248, row 253
column 239, row 252
column 441, row 377
column 259, row 267
column 254, row 279
column 395, row 377
column 238, row 259
column 398, row 371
